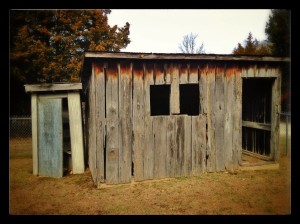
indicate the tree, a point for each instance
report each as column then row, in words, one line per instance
column 189, row 43
column 48, row 45
column 252, row 47
column 278, row 31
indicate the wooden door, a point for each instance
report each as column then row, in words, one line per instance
column 50, row 139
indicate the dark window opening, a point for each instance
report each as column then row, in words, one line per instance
column 67, row 157
column 160, row 100
column 256, row 141
column 257, row 100
column 189, row 99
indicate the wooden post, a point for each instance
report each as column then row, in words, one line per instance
column 148, row 144
column 99, row 119
column 34, row 130
column 138, row 121
column 92, row 128
column 76, row 132
column 174, row 98
column 125, row 130
column 112, row 113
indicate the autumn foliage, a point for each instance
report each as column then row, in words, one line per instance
column 48, row 45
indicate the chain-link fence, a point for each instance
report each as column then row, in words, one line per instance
column 20, row 130
column 285, row 133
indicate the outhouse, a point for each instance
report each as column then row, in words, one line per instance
column 57, row 137
column 152, row 116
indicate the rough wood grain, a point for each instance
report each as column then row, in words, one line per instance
column 237, row 119
column 75, row 121
column 275, row 116
column 193, row 73
column 159, row 73
column 148, row 146
column 52, row 87
column 112, row 110
column 219, row 118
column 160, row 146
column 228, row 113
column 92, row 128
column 211, row 151
column 256, row 125
column 34, row 129
column 187, row 146
column 50, row 139
column 180, row 130
column 99, row 119
column 183, row 73
column 125, row 129
column 202, row 88
column 171, row 146
column 198, row 144
column 174, row 97
column 138, row 121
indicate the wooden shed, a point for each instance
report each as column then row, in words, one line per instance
column 57, row 137
column 151, row 116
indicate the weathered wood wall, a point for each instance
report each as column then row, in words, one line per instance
column 122, row 131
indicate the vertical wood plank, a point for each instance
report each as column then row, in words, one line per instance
column 50, row 139
column 125, row 129
column 99, row 119
column 34, row 127
column 202, row 89
column 174, row 97
column 160, row 146
column 112, row 110
column 183, row 73
column 76, row 132
column 168, row 75
column 92, row 128
column 219, row 118
column 148, row 145
column 237, row 119
column 159, row 74
column 275, row 117
column 211, row 150
column 193, row 73
column 171, row 146
column 228, row 122
column 198, row 144
column 187, row 146
column 179, row 121
column 138, row 121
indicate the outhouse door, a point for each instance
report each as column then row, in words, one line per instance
column 50, row 139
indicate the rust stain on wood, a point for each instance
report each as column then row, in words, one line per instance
column 112, row 71
column 125, row 69
column 97, row 69
column 148, row 69
column 193, row 68
column 138, row 70
column 183, row 70
column 230, row 71
column 159, row 70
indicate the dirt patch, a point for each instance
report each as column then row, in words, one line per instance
column 241, row 192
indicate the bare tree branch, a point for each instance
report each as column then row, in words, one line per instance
column 189, row 43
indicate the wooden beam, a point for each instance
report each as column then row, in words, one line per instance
column 256, row 125
column 174, row 97
column 125, row 119
column 151, row 56
column 34, row 129
column 76, row 132
column 99, row 119
column 52, row 87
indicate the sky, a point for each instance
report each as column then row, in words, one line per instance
column 161, row 31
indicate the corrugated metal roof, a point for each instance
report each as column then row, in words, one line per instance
column 176, row 56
